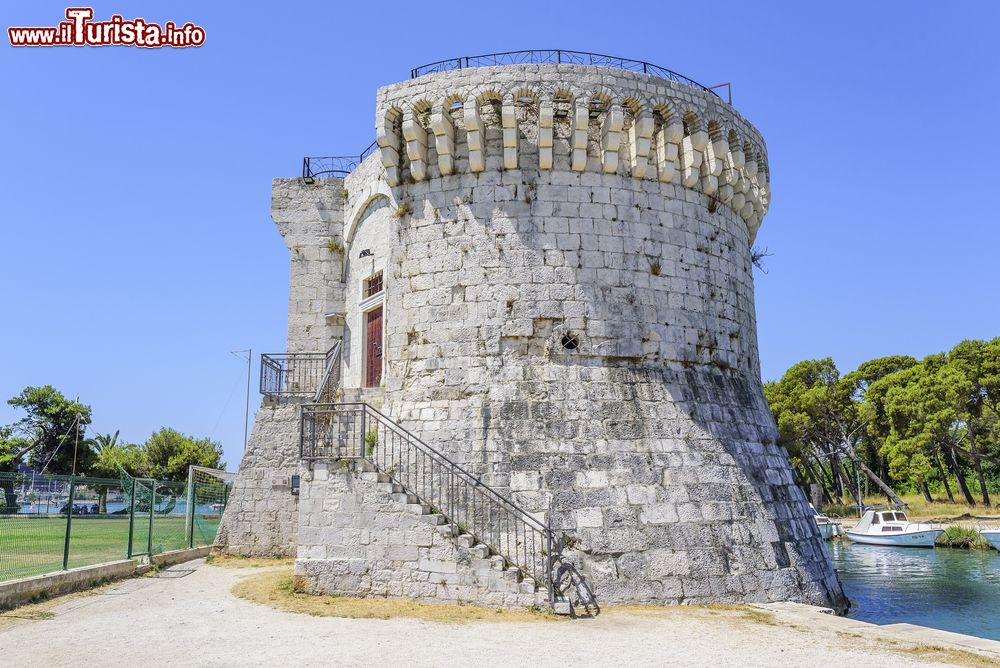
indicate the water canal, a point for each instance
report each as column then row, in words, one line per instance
column 948, row 589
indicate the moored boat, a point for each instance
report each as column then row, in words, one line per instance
column 827, row 529
column 892, row 527
column 992, row 535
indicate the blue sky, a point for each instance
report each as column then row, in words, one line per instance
column 137, row 247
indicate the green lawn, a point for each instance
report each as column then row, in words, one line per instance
column 33, row 545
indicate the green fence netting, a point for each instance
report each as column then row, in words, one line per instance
column 50, row 523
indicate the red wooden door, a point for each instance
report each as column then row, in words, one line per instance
column 373, row 348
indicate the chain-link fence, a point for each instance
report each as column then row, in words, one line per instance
column 52, row 523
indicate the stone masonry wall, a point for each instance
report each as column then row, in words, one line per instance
column 261, row 517
column 310, row 219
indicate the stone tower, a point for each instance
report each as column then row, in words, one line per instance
column 558, row 259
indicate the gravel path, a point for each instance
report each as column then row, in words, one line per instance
column 186, row 616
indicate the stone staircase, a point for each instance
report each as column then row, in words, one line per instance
column 363, row 534
column 482, row 560
column 384, row 514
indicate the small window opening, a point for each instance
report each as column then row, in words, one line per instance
column 373, row 285
column 570, row 341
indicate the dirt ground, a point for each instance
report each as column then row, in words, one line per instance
column 187, row 616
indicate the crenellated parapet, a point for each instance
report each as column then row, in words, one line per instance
column 574, row 118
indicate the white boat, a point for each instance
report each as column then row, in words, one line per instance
column 992, row 535
column 893, row 527
column 826, row 527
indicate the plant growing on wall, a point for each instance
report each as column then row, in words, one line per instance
column 334, row 246
column 403, row 210
column 370, row 439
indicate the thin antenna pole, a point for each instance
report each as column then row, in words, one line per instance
column 76, row 445
column 246, row 412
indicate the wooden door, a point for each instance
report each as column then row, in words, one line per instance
column 373, row 348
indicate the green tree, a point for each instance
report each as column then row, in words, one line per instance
column 48, row 432
column 908, row 461
column 989, row 381
column 971, row 358
column 820, row 423
column 168, row 453
column 113, row 458
column 926, row 408
column 859, row 382
column 10, row 445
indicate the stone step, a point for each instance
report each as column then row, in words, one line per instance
column 562, row 606
column 498, row 563
column 512, row 574
column 373, row 476
column 418, row 508
column 447, row 530
column 403, row 497
column 390, row 488
column 481, row 551
column 466, row 540
column 363, row 465
column 433, row 519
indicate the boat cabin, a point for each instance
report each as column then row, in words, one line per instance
column 820, row 519
column 882, row 521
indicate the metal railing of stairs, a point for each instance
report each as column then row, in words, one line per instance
column 349, row 431
column 331, row 374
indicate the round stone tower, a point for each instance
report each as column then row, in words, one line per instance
column 568, row 312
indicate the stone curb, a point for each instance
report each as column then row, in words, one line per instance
column 823, row 618
column 22, row 590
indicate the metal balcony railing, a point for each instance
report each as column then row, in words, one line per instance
column 358, row 431
column 556, row 56
column 340, row 165
column 300, row 374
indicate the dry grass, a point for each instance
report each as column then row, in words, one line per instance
column 919, row 509
column 233, row 561
column 277, row 590
column 924, row 652
column 717, row 611
column 955, row 657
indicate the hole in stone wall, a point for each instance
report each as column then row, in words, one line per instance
column 570, row 341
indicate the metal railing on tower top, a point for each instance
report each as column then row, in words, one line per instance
column 342, row 165
column 556, row 56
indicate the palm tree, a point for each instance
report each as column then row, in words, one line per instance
column 105, row 443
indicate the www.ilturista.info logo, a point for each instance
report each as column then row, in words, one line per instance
column 80, row 30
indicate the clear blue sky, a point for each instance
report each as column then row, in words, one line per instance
column 138, row 251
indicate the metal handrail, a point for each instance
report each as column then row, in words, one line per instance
column 556, row 56
column 331, row 373
column 358, row 431
column 340, row 165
